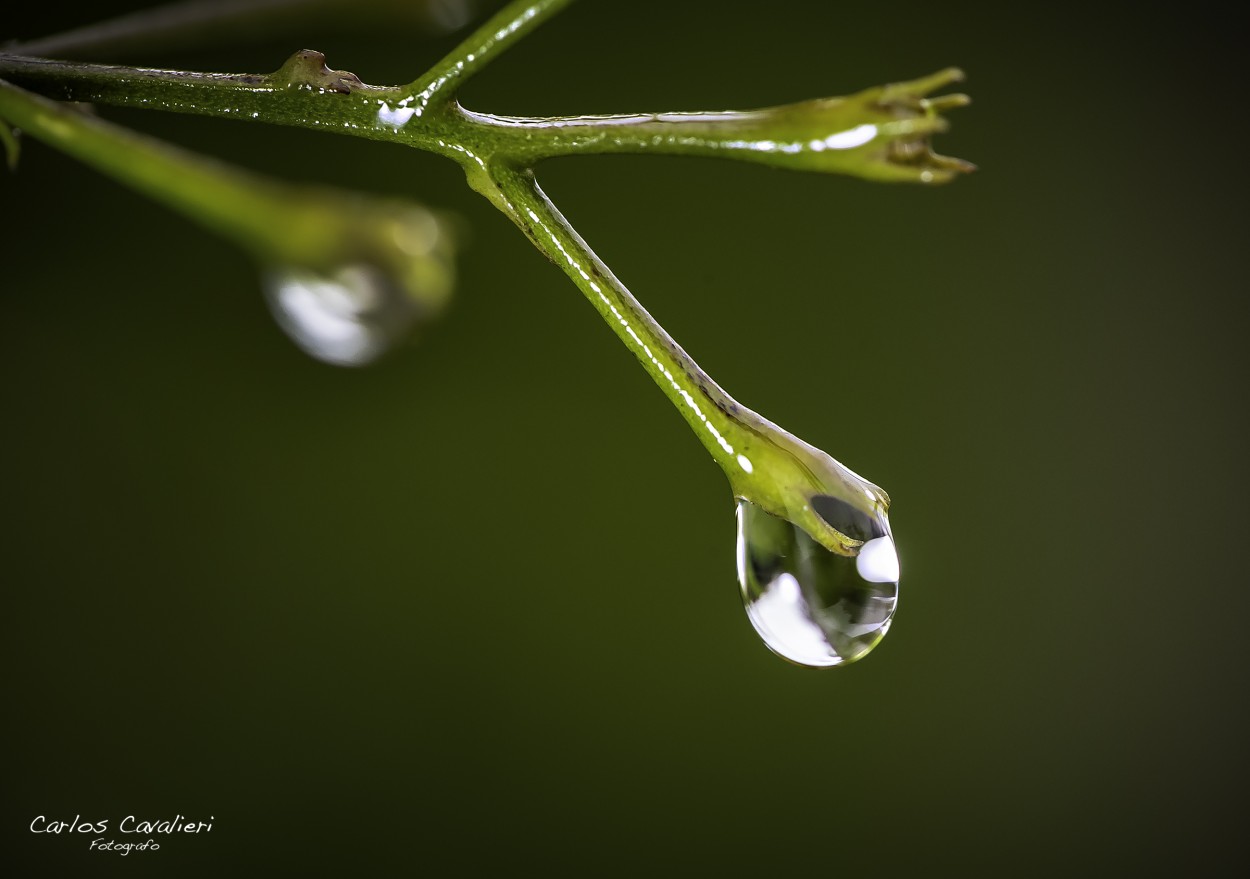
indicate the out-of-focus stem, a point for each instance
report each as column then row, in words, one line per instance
column 197, row 22
column 308, row 226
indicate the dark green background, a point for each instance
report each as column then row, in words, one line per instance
column 473, row 609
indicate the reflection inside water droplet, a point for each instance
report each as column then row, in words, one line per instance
column 450, row 15
column 810, row 605
column 349, row 318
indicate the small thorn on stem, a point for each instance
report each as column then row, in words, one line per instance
column 307, row 68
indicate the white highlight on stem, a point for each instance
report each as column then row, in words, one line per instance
column 396, row 118
column 849, row 139
column 629, row 331
column 841, row 140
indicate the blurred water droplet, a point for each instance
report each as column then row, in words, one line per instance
column 450, row 14
column 812, row 606
column 349, row 318
column 391, row 269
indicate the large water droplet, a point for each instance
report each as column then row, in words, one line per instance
column 812, row 606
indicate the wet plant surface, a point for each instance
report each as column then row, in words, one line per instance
column 475, row 604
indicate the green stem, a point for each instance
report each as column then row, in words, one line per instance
column 533, row 139
column 879, row 134
column 764, row 463
column 312, row 228
column 853, row 141
column 302, row 93
column 220, row 198
column 713, row 414
column 515, row 21
column 11, row 145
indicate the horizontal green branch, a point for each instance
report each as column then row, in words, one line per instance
column 881, row 133
column 304, row 92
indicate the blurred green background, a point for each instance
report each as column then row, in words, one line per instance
column 244, row 584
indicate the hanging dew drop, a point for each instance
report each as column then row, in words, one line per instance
column 348, row 318
column 813, row 606
column 393, row 273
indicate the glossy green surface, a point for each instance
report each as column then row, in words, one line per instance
column 315, row 234
column 474, row 608
column 880, row 134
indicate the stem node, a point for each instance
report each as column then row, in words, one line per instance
column 307, row 69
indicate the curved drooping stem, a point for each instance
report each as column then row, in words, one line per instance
column 713, row 414
column 764, row 463
column 880, row 133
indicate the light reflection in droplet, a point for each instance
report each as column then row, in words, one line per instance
column 348, row 319
column 450, row 15
column 877, row 561
column 809, row 605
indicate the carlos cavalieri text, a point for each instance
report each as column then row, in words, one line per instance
column 129, row 825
